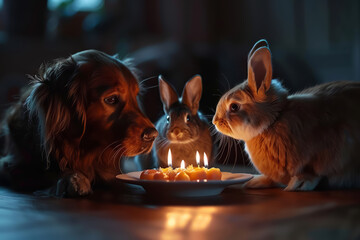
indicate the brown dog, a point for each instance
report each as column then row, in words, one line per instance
column 73, row 124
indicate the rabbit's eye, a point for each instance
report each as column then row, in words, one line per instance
column 187, row 118
column 234, row 107
column 167, row 118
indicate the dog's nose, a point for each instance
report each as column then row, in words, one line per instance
column 149, row 134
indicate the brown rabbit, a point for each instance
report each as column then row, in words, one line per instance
column 294, row 140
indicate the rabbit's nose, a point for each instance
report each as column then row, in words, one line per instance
column 149, row 134
column 176, row 131
column 215, row 120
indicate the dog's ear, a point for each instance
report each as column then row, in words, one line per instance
column 56, row 95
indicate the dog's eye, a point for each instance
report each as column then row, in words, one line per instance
column 167, row 119
column 112, row 100
column 234, row 107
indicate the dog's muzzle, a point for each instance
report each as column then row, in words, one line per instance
column 149, row 134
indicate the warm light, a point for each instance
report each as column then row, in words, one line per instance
column 201, row 222
column 182, row 165
column 206, row 162
column 177, row 220
column 169, row 158
column 187, row 219
column 197, row 158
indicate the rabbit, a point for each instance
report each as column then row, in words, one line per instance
column 295, row 141
column 182, row 128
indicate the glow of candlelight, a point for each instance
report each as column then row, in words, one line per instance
column 206, row 162
column 182, row 165
column 169, row 158
column 197, row 158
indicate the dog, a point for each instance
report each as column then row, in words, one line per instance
column 74, row 122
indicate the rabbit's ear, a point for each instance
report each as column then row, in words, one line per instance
column 168, row 94
column 192, row 93
column 260, row 70
column 257, row 45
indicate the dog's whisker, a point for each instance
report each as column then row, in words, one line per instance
column 116, row 158
column 107, row 147
column 118, row 149
column 150, row 87
column 163, row 143
column 147, row 79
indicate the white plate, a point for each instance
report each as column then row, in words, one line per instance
column 186, row 188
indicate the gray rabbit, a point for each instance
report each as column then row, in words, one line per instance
column 182, row 129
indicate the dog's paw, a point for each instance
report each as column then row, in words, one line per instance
column 260, row 181
column 297, row 184
column 73, row 185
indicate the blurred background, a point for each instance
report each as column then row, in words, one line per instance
column 311, row 41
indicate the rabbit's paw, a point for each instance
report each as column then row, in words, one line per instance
column 73, row 185
column 260, row 181
column 297, row 184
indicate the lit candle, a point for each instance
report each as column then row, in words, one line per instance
column 212, row 173
column 182, row 165
column 182, row 175
column 198, row 173
column 169, row 158
column 169, row 170
column 198, row 158
column 206, row 162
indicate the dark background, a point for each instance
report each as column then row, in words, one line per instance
column 311, row 41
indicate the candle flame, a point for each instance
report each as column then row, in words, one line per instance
column 169, row 158
column 182, row 165
column 206, row 162
column 197, row 158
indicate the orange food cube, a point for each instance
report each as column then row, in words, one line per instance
column 181, row 176
column 166, row 170
column 148, row 174
column 190, row 167
column 170, row 172
column 213, row 174
column 161, row 176
column 197, row 174
column 172, row 175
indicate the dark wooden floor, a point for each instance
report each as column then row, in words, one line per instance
column 128, row 213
